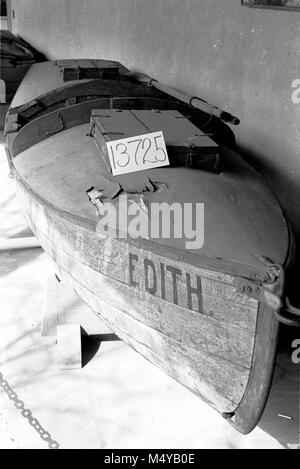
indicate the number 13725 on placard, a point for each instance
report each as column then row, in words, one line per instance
column 137, row 153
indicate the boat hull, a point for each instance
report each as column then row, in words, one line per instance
column 224, row 351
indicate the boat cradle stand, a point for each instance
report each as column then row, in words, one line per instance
column 66, row 317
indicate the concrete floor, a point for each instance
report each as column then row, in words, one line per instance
column 118, row 400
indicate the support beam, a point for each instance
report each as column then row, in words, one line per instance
column 69, row 347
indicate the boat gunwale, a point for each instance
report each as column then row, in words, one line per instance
column 107, row 102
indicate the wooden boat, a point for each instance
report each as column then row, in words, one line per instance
column 209, row 316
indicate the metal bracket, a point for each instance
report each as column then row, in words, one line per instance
column 260, row 292
column 97, row 197
column 289, row 315
column 268, row 293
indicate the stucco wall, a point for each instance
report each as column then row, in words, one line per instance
column 241, row 59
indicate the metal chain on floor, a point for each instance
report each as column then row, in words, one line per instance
column 26, row 413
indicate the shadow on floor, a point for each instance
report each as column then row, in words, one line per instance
column 92, row 343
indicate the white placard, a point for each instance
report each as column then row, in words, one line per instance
column 137, row 153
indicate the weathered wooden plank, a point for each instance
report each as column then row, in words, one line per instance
column 84, row 239
column 92, row 89
column 218, row 382
column 220, row 301
column 185, row 326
